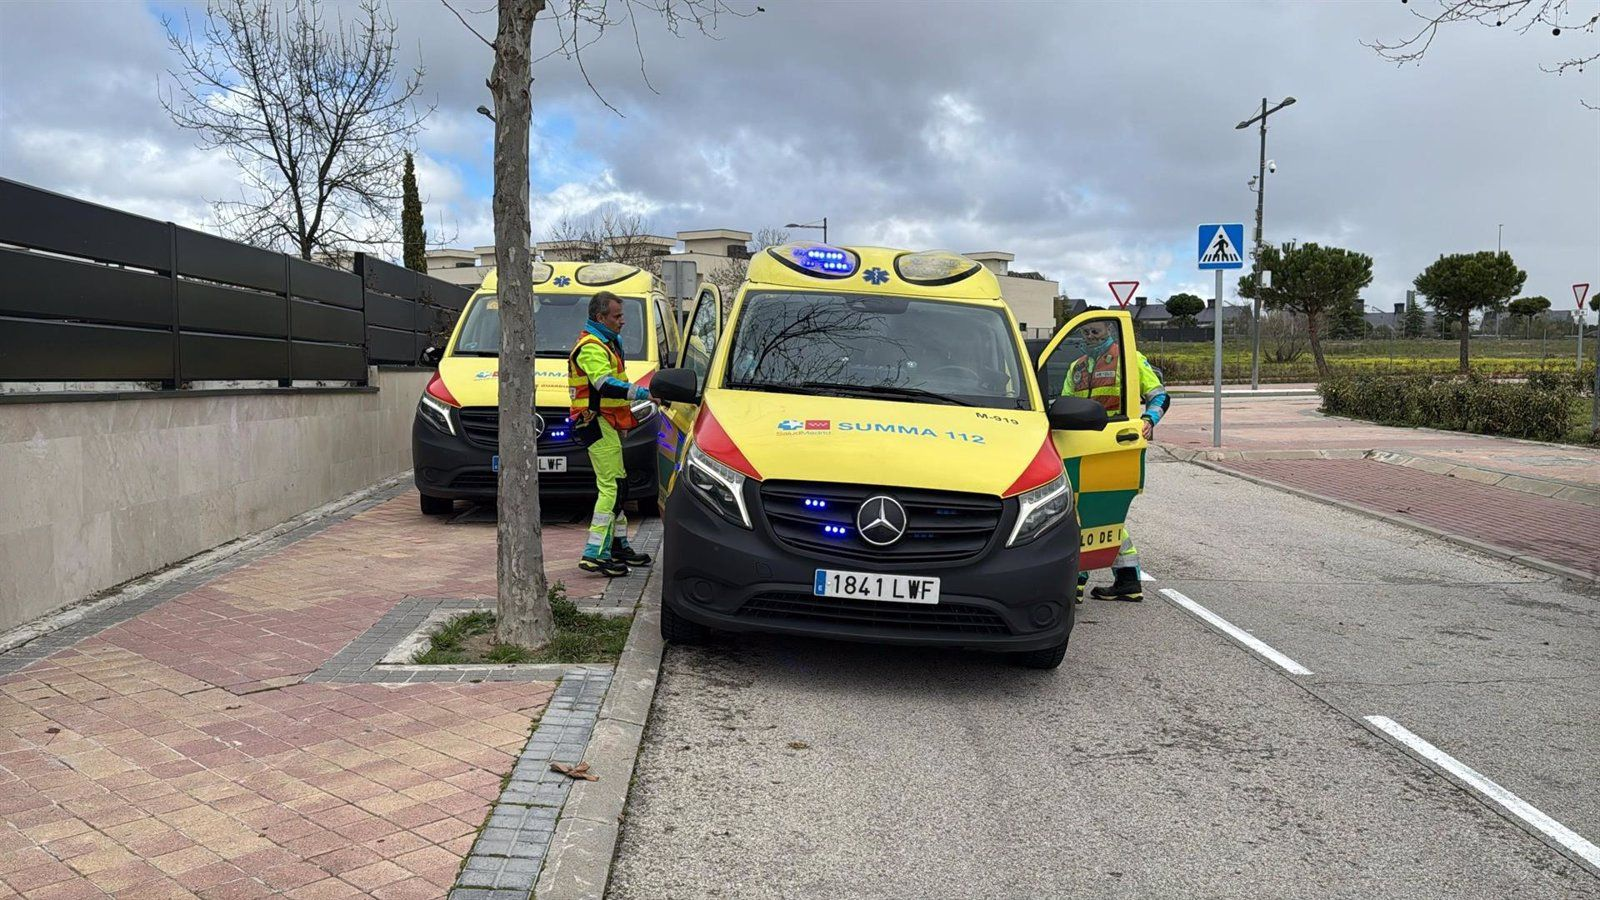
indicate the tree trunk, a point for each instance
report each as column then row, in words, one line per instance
column 1316, row 346
column 1466, row 332
column 522, row 605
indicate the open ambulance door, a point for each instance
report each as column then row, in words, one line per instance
column 677, row 419
column 1106, row 466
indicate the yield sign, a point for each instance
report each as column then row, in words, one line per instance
column 1123, row 291
column 1579, row 291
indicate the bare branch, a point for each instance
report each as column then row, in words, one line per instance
column 1523, row 16
column 314, row 114
column 486, row 42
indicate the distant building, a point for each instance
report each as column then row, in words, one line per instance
column 1394, row 321
column 1030, row 295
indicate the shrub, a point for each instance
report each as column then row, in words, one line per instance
column 1538, row 409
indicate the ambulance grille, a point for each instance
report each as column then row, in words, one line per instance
column 480, row 425
column 942, row 526
column 942, row 618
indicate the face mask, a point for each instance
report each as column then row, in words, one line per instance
column 1096, row 349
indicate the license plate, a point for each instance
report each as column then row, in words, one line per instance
column 868, row 586
column 546, row 463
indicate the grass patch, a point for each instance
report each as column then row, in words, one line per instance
column 580, row 638
column 1490, row 357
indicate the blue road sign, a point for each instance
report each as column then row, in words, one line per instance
column 1221, row 247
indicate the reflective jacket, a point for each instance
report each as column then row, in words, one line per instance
column 1100, row 379
column 595, row 383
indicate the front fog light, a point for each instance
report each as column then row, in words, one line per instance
column 1040, row 509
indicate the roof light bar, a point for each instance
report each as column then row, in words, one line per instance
column 935, row 267
column 598, row 274
column 818, row 259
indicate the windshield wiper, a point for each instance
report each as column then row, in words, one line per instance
column 885, row 390
column 476, row 353
column 777, row 388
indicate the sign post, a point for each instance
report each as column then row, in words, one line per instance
column 1579, row 291
column 1122, row 291
column 679, row 278
column 1218, row 249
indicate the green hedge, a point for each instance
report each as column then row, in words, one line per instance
column 1538, row 409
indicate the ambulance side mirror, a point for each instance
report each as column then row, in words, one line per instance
column 432, row 355
column 1077, row 414
column 676, row 385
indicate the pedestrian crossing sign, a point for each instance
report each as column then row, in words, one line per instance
column 1220, row 247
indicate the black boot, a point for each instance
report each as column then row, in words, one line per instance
column 1126, row 587
column 623, row 553
column 1083, row 581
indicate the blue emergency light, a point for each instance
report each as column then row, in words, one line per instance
column 821, row 259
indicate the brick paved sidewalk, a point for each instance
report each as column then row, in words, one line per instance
column 1268, row 425
column 1559, row 531
column 179, row 753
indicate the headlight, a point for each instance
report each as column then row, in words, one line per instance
column 436, row 413
column 1040, row 509
column 718, row 486
column 643, row 410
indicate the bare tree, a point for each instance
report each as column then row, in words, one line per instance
column 317, row 116
column 575, row 241
column 1521, row 16
column 522, row 607
column 727, row 276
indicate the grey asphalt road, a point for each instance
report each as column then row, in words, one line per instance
column 1162, row 759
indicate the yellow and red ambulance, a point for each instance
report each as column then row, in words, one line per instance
column 864, row 450
column 456, row 433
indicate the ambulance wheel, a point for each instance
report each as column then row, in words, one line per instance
column 437, row 506
column 1048, row 658
column 675, row 629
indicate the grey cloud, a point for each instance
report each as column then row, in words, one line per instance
column 1105, row 134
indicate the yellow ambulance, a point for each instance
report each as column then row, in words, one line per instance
column 864, row 451
column 455, row 436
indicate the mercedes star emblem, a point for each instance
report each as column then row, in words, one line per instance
column 881, row 520
column 538, row 424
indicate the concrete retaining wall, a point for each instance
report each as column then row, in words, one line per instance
column 95, row 493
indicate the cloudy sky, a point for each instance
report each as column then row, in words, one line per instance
column 1087, row 138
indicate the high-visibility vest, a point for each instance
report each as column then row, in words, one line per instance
column 1100, row 382
column 585, row 399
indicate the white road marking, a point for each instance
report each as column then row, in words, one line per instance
column 1146, row 576
column 1503, row 798
column 1237, row 633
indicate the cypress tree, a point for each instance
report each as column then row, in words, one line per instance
column 414, row 242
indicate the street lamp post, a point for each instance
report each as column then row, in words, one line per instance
column 823, row 226
column 1261, row 196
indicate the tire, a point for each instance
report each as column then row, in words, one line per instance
column 675, row 629
column 1047, row 658
column 437, row 506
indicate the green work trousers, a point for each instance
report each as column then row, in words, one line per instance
column 611, row 486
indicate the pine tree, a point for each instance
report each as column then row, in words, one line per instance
column 1347, row 322
column 412, row 235
column 1416, row 321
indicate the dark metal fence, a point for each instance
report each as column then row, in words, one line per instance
column 89, row 293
